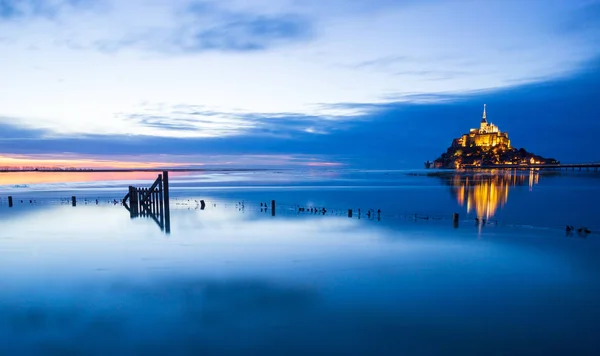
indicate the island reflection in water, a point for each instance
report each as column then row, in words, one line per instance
column 485, row 192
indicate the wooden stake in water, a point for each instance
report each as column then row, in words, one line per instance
column 166, row 201
column 161, row 202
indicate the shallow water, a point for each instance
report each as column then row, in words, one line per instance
column 531, row 198
column 232, row 278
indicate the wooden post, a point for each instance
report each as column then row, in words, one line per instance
column 10, row 202
column 272, row 207
column 455, row 219
column 155, row 201
column 137, row 201
column 166, row 202
column 74, row 200
column 158, row 198
column 142, row 204
column 143, row 193
column 133, row 200
column 349, row 213
column 202, row 204
column 160, row 202
column 151, row 202
column 141, row 200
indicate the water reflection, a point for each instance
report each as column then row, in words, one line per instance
column 484, row 193
column 161, row 217
column 89, row 280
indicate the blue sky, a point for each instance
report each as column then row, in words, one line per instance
column 363, row 83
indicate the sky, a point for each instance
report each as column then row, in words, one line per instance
column 309, row 83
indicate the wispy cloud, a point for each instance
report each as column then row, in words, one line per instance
column 16, row 9
column 10, row 132
column 252, row 33
column 200, row 121
column 382, row 62
column 239, row 30
column 585, row 21
column 388, row 134
column 208, row 27
column 357, row 7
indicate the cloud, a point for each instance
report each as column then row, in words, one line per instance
column 396, row 134
column 17, row 9
column 585, row 17
column 392, row 134
column 247, row 32
column 207, row 27
column 356, row 7
column 203, row 122
column 584, row 22
column 11, row 132
column 382, row 62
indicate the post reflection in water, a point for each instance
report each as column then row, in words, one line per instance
column 485, row 192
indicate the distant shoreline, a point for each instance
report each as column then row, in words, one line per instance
column 149, row 170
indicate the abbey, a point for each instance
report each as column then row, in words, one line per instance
column 487, row 135
column 486, row 146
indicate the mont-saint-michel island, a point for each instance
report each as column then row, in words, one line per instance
column 486, row 146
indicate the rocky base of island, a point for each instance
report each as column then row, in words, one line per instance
column 476, row 156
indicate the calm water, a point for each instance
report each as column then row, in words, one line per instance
column 233, row 279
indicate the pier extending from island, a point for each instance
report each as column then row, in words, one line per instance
column 560, row 167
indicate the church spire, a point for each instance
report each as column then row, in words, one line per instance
column 484, row 118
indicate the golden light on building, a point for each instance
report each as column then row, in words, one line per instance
column 485, row 146
column 487, row 135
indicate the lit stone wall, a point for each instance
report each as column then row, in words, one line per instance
column 488, row 128
column 484, row 139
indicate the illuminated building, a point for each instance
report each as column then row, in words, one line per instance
column 485, row 146
column 487, row 135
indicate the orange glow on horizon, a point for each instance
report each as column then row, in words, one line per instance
column 18, row 162
column 22, row 161
column 17, row 178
